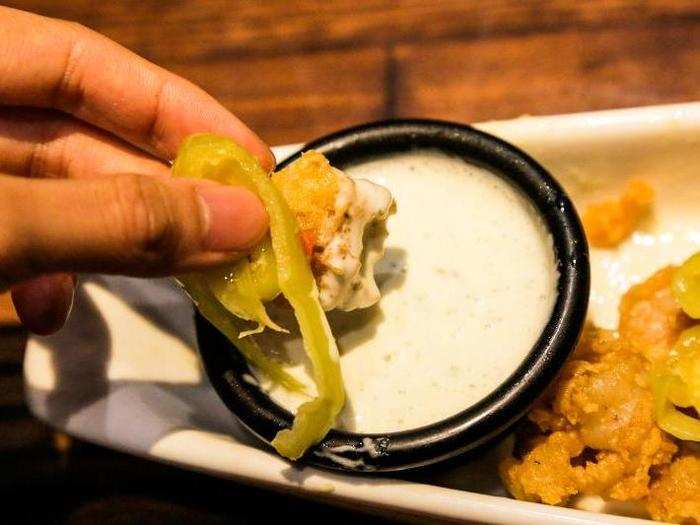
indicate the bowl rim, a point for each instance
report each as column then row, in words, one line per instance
column 502, row 408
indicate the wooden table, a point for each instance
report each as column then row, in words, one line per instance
column 296, row 69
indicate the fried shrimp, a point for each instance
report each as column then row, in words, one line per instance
column 610, row 222
column 675, row 496
column 342, row 223
column 594, row 431
column 650, row 318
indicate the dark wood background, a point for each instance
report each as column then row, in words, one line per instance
column 294, row 70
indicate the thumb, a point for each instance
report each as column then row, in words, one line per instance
column 128, row 224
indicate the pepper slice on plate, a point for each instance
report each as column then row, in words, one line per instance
column 227, row 324
column 676, row 382
column 686, row 286
column 279, row 264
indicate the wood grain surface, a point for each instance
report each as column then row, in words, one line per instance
column 297, row 69
column 294, row 70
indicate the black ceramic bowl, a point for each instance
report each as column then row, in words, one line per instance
column 497, row 412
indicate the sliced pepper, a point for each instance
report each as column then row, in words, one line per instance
column 676, row 383
column 263, row 269
column 686, row 286
column 236, row 290
column 668, row 417
column 205, row 157
column 229, row 325
column 218, row 158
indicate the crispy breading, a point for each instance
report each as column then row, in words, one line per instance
column 597, row 434
column 650, row 318
column 610, row 222
column 341, row 223
column 310, row 186
column 593, row 431
column 545, row 473
column 603, row 437
column 675, row 496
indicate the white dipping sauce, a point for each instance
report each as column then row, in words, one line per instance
column 468, row 283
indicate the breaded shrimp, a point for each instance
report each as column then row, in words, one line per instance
column 597, row 431
column 610, row 222
column 342, row 223
column 675, row 496
column 593, row 432
column 650, row 318
column 311, row 187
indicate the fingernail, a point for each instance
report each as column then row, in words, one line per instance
column 234, row 218
column 44, row 303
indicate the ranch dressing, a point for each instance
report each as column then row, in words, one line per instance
column 468, row 282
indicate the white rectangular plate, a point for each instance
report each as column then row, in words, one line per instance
column 124, row 372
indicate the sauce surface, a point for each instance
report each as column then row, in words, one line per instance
column 468, row 282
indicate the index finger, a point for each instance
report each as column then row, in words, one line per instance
column 52, row 63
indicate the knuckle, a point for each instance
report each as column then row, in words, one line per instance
column 153, row 125
column 68, row 92
column 50, row 158
column 148, row 229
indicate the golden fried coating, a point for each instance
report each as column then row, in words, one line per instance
column 603, row 438
column 594, row 429
column 593, row 432
column 545, row 473
column 594, row 344
column 310, row 186
column 610, row 222
column 675, row 496
column 650, row 318
column 341, row 227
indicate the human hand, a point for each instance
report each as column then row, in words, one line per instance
column 86, row 132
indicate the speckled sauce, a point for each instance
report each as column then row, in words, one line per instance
column 468, row 282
